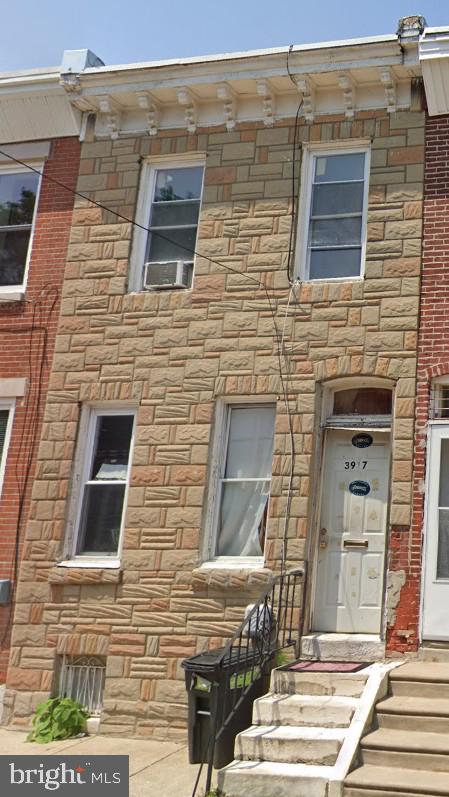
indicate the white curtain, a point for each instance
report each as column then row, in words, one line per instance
column 242, row 504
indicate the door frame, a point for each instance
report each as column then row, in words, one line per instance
column 367, row 423
column 428, row 493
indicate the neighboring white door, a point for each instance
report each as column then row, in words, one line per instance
column 354, row 503
column 436, row 534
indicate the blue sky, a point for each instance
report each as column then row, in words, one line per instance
column 35, row 32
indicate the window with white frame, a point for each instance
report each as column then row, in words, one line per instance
column 169, row 207
column 334, row 208
column 18, row 193
column 6, row 416
column 243, row 480
column 104, row 483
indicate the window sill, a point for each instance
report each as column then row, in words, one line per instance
column 98, row 564
column 324, row 280
column 234, row 563
column 220, row 576
column 11, row 296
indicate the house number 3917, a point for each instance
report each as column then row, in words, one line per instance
column 352, row 464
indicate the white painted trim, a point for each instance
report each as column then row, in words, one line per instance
column 29, row 151
column 10, row 388
column 143, row 210
column 82, row 463
column 16, row 292
column 425, row 536
column 80, row 562
column 219, row 447
column 6, row 404
column 310, row 152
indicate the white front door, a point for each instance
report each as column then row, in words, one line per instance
column 436, row 534
column 354, row 502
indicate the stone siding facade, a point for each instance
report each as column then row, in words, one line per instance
column 173, row 355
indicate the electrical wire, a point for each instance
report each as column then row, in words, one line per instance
column 280, row 348
column 31, row 418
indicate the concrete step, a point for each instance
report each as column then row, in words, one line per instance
column 430, row 689
column 320, row 711
column 413, row 713
column 373, row 781
column 406, row 749
column 289, row 744
column 268, row 779
column 292, row 682
column 435, row 652
column 342, row 647
column 421, row 671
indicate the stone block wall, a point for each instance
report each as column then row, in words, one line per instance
column 173, row 355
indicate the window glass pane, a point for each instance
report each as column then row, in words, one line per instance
column 113, row 440
column 328, row 263
column 250, row 442
column 17, row 198
column 3, row 425
column 363, row 401
column 336, row 231
column 13, row 256
column 101, row 518
column 444, row 474
column 181, row 245
column 333, row 200
column 350, row 166
column 443, row 544
column 174, row 214
column 242, row 515
column 174, row 184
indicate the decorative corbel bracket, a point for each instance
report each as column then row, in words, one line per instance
column 347, row 85
column 71, row 83
column 152, row 108
column 228, row 97
column 187, row 100
column 111, row 110
column 264, row 90
column 389, row 84
column 308, row 97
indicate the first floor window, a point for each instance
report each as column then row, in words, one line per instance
column 104, row 483
column 335, row 214
column 18, row 191
column 244, row 480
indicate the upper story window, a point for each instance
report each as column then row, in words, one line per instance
column 18, row 192
column 169, row 207
column 334, row 203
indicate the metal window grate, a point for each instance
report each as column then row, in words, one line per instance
column 82, row 678
column 439, row 402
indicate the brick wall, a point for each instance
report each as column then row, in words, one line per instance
column 433, row 361
column 20, row 344
column 174, row 355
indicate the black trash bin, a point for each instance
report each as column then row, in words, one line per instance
column 213, row 689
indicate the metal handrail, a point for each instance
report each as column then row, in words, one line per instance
column 273, row 624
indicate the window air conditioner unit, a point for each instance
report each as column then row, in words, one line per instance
column 166, row 274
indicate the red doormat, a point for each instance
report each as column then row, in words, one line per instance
column 325, row 666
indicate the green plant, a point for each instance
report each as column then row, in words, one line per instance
column 57, row 718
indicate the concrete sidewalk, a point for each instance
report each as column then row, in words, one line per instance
column 157, row 769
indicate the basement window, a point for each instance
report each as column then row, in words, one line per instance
column 82, row 679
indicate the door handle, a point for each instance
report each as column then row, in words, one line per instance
column 355, row 543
